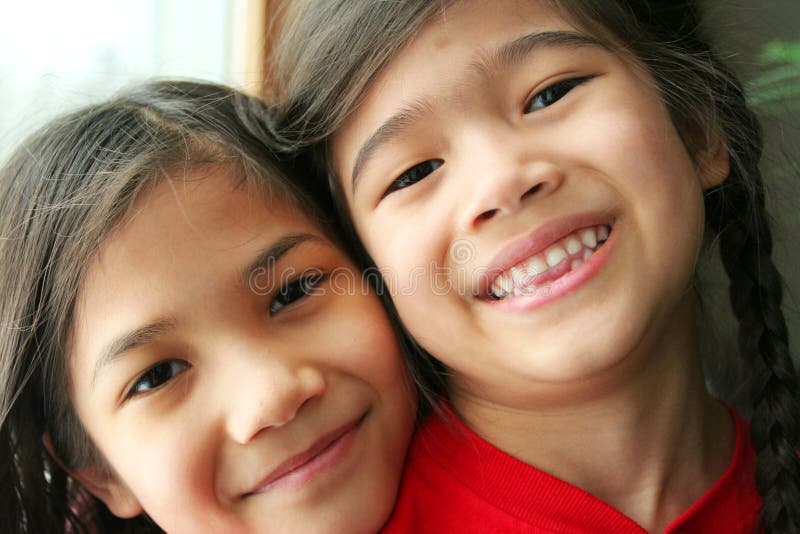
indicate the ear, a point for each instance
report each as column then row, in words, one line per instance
column 713, row 163
column 114, row 493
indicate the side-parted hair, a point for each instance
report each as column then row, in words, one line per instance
column 61, row 193
column 330, row 51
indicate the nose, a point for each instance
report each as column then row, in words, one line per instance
column 503, row 170
column 267, row 393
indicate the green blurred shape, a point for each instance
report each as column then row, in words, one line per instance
column 777, row 89
column 781, row 52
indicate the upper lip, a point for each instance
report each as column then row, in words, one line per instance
column 298, row 460
column 535, row 242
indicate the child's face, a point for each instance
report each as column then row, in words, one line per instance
column 484, row 169
column 228, row 377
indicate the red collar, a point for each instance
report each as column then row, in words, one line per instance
column 731, row 504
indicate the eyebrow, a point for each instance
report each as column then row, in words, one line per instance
column 507, row 55
column 267, row 259
column 516, row 51
column 386, row 132
column 131, row 340
column 150, row 332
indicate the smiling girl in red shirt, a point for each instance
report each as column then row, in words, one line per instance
column 535, row 179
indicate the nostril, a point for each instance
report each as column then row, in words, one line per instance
column 531, row 191
column 506, row 203
column 486, row 215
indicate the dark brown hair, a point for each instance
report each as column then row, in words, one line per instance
column 331, row 50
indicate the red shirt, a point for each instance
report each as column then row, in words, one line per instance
column 454, row 481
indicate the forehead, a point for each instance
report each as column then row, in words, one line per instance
column 470, row 27
column 203, row 207
column 441, row 60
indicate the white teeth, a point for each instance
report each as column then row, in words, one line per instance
column 536, row 266
column 501, row 286
column 573, row 245
column 519, row 275
column 514, row 281
column 518, row 291
column 555, row 255
column 588, row 237
column 498, row 293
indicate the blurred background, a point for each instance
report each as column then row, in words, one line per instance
column 56, row 55
column 761, row 40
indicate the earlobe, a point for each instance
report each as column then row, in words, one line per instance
column 116, row 495
column 106, row 487
column 714, row 165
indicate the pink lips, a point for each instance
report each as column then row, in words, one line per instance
column 325, row 452
column 536, row 242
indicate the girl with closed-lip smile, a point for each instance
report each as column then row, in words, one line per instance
column 177, row 355
column 558, row 164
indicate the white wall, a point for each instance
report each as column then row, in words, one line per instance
column 60, row 54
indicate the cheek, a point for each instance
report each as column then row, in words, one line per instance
column 664, row 186
column 361, row 341
column 665, row 199
column 411, row 252
column 174, row 482
column 165, row 463
column 640, row 153
column 364, row 345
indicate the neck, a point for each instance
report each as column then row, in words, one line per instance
column 649, row 446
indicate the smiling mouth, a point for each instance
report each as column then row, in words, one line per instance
column 558, row 259
column 323, row 453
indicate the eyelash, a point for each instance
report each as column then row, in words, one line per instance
column 154, row 374
column 413, row 175
column 553, row 93
column 294, row 291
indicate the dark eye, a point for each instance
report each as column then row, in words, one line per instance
column 414, row 175
column 554, row 93
column 295, row 290
column 157, row 376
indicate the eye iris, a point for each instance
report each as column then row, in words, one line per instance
column 154, row 377
column 300, row 288
column 552, row 94
column 549, row 96
column 417, row 172
column 294, row 291
column 291, row 292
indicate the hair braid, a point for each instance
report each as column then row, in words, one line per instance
column 756, row 298
column 737, row 213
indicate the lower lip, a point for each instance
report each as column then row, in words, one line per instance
column 330, row 457
column 561, row 286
